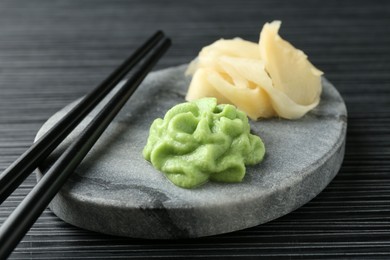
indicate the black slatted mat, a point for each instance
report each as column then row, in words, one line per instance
column 52, row 52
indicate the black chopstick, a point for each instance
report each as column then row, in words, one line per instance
column 24, row 216
column 18, row 171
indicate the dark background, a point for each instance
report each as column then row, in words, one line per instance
column 53, row 52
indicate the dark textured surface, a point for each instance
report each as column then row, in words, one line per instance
column 52, row 52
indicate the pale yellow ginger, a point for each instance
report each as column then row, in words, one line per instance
column 268, row 79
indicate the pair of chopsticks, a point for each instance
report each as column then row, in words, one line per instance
column 23, row 217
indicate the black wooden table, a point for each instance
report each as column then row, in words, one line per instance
column 52, row 52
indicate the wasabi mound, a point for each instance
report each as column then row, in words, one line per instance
column 200, row 141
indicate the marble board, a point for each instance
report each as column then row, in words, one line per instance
column 115, row 191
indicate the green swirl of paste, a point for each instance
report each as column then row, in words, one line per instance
column 200, row 141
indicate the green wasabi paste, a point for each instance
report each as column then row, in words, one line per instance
column 200, row 141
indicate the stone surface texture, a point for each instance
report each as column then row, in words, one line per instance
column 115, row 191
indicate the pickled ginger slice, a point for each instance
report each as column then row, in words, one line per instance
column 270, row 101
column 290, row 70
column 236, row 47
column 253, row 101
column 200, row 87
column 271, row 78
